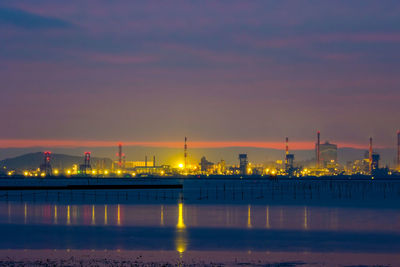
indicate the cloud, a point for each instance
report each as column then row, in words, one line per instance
column 27, row 20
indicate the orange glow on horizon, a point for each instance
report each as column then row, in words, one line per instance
column 302, row 145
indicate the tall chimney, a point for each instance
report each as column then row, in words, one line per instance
column 370, row 154
column 119, row 155
column 398, row 150
column 318, row 151
column 154, row 161
column 185, row 151
column 287, row 145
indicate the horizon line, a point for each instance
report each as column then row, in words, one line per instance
column 299, row 145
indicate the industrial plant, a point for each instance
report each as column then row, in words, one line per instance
column 325, row 164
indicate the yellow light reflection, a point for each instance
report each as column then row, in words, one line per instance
column 25, row 212
column 118, row 215
column 68, row 215
column 249, row 216
column 181, row 224
column 305, row 218
column 267, row 225
column 93, row 216
column 180, row 238
column 162, row 216
column 55, row 214
column 105, row 215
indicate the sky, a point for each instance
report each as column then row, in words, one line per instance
column 222, row 73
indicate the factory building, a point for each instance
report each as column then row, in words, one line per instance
column 243, row 163
column 327, row 154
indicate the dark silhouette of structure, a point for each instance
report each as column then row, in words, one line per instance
column 205, row 165
column 185, row 153
column 370, row 155
column 398, row 150
column 289, row 159
column 86, row 167
column 243, row 162
column 318, row 152
column 45, row 167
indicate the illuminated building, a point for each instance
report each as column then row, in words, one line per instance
column 206, row 166
column 86, row 168
column 328, row 154
column 375, row 162
column 243, row 162
column 45, row 167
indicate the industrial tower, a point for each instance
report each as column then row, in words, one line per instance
column 318, row 150
column 185, row 152
column 370, row 155
column 86, row 168
column 398, row 150
column 289, row 159
column 45, row 167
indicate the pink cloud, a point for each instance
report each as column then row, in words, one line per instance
column 301, row 145
column 122, row 59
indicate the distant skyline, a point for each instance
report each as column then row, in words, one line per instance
column 223, row 73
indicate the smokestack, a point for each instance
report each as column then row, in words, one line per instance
column 370, row 154
column 318, row 144
column 119, row 155
column 154, row 161
column 287, row 145
column 398, row 150
column 145, row 161
column 185, row 151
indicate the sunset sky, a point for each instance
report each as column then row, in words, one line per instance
column 220, row 72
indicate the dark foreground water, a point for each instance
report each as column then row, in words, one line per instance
column 300, row 224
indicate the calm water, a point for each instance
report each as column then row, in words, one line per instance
column 210, row 216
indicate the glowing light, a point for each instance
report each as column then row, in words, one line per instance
column 43, row 174
column 25, row 212
column 105, row 215
column 9, row 173
column 26, row 173
column 305, row 218
column 106, row 172
column 162, row 216
column 94, row 172
column 133, row 174
column 55, row 214
column 93, row 216
column 180, row 165
column 68, row 171
column 68, row 215
column 249, row 216
column 181, row 224
column 56, row 172
column 118, row 215
column 119, row 172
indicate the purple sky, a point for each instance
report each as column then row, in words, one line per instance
column 216, row 71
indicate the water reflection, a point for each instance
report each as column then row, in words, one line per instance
column 105, row 215
column 180, row 236
column 118, row 214
column 305, row 218
column 181, row 216
column 93, row 216
column 55, row 214
column 68, row 215
column 249, row 216
column 162, row 215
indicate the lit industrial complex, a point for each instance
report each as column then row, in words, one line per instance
column 325, row 164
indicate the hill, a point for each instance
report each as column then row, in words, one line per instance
column 32, row 161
